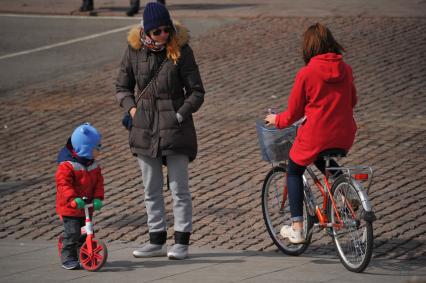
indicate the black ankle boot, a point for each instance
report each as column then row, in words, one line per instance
column 158, row 238
column 134, row 8
column 86, row 6
column 182, row 238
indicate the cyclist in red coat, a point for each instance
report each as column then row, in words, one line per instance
column 325, row 94
column 78, row 176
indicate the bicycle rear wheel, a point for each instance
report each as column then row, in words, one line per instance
column 354, row 241
column 276, row 211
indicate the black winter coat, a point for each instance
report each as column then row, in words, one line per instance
column 177, row 89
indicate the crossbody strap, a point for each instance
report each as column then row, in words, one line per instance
column 139, row 95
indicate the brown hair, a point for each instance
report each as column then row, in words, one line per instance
column 317, row 40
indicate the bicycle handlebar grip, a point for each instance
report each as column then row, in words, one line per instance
column 78, row 203
column 74, row 204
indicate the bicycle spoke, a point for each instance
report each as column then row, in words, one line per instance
column 86, row 260
column 277, row 198
column 98, row 257
column 84, row 251
column 97, row 249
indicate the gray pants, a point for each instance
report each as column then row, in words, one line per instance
column 152, row 175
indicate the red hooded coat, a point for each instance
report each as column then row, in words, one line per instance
column 324, row 92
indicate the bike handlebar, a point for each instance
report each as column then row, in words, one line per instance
column 88, row 205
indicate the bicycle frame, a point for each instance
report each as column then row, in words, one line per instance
column 358, row 173
column 326, row 194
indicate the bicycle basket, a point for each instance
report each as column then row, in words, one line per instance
column 275, row 143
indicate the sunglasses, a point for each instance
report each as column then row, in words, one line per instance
column 158, row 31
column 99, row 147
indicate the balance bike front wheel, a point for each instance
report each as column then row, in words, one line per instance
column 93, row 261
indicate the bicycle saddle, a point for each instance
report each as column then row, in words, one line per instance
column 333, row 152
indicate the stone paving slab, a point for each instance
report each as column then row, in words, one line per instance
column 24, row 261
column 229, row 8
column 243, row 76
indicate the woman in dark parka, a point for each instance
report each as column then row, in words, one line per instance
column 162, row 129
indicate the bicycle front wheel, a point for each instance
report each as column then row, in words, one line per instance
column 354, row 240
column 276, row 211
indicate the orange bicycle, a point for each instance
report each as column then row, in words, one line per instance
column 346, row 213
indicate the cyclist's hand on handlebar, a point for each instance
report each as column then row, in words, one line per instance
column 78, row 203
column 97, row 204
column 270, row 119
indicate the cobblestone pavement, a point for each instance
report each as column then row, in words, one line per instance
column 246, row 67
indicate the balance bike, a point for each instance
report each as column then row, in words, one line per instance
column 93, row 253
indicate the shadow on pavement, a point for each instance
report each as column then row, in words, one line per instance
column 127, row 265
column 405, row 267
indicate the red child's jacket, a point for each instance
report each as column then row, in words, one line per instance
column 324, row 92
column 73, row 179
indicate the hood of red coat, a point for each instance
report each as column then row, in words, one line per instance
column 329, row 67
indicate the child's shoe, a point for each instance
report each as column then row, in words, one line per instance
column 294, row 236
column 151, row 250
column 178, row 251
column 71, row 264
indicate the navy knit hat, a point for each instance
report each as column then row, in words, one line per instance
column 155, row 15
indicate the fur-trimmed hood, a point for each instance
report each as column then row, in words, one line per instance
column 134, row 35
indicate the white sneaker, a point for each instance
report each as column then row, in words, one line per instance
column 178, row 251
column 294, row 236
column 151, row 250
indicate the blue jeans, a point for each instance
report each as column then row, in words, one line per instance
column 295, row 185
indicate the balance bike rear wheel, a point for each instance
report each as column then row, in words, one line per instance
column 96, row 259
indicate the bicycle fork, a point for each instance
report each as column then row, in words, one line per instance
column 88, row 228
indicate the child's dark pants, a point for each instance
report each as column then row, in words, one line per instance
column 73, row 239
